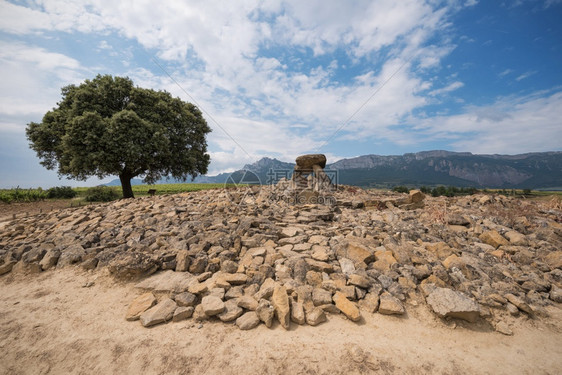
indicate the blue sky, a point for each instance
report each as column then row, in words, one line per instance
column 284, row 78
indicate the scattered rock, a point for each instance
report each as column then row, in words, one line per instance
column 504, row 329
column 265, row 312
column 297, row 313
column 315, row 316
column 231, row 311
column 183, row 313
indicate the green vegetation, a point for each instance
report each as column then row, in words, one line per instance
column 61, row 192
column 22, row 195
column 107, row 126
column 101, row 194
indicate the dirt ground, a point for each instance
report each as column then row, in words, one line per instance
column 72, row 321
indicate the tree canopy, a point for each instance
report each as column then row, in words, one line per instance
column 107, row 126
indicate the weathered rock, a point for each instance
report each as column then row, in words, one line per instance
column 315, row 316
column 71, row 255
column 166, row 282
column 519, row 303
column 493, row 238
column 554, row 259
column 370, row 303
column 265, row 312
column 128, row 265
column 390, row 305
column 248, row 321
column 308, row 161
column 347, row 307
column 280, row 302
column 556, row 294
column 199, row 314
column 139, row 305
column 50, row 259
column 321, row 296
column 248, row 303
column 231, row 311
column 355, row 250
column 449, row 303
column 7, row 266
column 160, row 313
column 182, row 261
column 347, row 266
column 503, row 328
column 297, row 313
column 266, row 289
column 186, row 299
column 516, row 238
column 183, row 313
column 212, row 305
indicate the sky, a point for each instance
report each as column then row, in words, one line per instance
column 284, row 78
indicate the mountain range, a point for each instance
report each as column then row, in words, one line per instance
column 542, row 170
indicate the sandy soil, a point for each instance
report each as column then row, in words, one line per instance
column 58, row 323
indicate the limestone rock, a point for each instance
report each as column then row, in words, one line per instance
column 519, row 303
column 493, row 238
column 315, row 316
column 248, row 321
column 139, row 305
column 554, row 259
column 449, row 303
column 248, row 303
column 370, row 303
column 390, row 305
column 186, row 299
column 280, row 302
column 231, row 311
column 50, row 259
column 183, row 313
column 347, row 307
column 359, row 280
column 321, row 296
column 212, row 305
column 265, row 312
column 503, row 328
column 556, row 294
column 128, row 265
column 182, row 261
column 161, row 313
column 297, row 313
column 199, row 314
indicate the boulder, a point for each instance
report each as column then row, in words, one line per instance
column 248, row 303
column 186, row 299
column 306, row 162
column 449, row 303
column 297, row 313
column 160, row 313
column 128, row 266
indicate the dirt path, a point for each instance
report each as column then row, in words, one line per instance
column 52, row 323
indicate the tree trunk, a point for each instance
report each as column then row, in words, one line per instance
column 126, row 186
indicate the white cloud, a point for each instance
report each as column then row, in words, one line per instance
column 526, row 75
column 511, row 125
column 451, row 87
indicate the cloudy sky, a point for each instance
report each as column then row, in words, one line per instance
column 283, row 78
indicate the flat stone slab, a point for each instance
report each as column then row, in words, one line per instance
column 449, row 303
column 161, row 313
column 139, row 305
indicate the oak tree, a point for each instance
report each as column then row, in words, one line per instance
column 107, row 126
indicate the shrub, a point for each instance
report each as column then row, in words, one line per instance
column 61, row 192
column 401, row 189
column 101, row 194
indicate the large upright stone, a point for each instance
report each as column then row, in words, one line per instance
column 280, row 302
column 449, row 303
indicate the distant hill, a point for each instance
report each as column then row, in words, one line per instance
column 533, row 170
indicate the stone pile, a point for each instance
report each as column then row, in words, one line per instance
column 249, row 257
